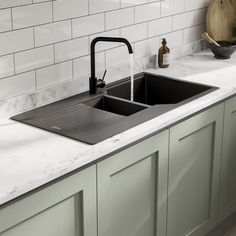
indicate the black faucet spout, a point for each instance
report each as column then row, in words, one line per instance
column 94, row 83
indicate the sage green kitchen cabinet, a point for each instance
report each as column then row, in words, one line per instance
column 132, row 190
column 66, row 208
column 228, row 165
column 194, row 174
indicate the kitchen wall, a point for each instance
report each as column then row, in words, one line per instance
column 44, row 45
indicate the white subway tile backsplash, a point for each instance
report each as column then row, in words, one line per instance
column 15, row 41
column 5, row 20
column 88, row 25
column 172, row 7
column 119, row 18
column 200, row 16
column 6, row 66
column 147, row 12
column 135, row 32
column 174, row 39
column 37, row 1
column 34, row 58
column 71, row 49
column 193, row 4
column 31, row 15
column 160, row 26
column 193, row 34
column 147, row 47
column 100, row 46
column 66, row 9
column 13, row 3
column 117, row 56
column 96, row 6
column 53, row 74
column 128, row 3
column 17, row 85
column 184, row 20
column 185, row 50
column 52, row 33
column 51, row 38
column 81, row 65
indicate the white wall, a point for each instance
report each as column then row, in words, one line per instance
column 45, row 43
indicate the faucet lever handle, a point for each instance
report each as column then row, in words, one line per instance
column 101, row 82
column 103, row 77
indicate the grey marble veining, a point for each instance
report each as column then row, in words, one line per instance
column 30, row 157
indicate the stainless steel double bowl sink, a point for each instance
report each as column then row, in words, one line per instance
column 91, row 119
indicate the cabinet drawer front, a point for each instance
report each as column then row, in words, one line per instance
column 228, row 166
column 132, row 190
column 194, row 170
column 67, row 207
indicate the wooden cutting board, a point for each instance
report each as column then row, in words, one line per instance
column 221, row 16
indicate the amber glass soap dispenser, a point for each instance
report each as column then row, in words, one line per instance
column 164, row 55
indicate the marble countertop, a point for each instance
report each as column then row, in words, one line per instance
column 30, row 157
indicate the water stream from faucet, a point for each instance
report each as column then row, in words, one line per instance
column 132, row 77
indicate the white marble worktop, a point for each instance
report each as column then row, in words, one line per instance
column 31, row 157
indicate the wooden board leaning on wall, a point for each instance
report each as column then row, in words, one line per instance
column 221, row 16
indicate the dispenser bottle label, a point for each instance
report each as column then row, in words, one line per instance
column 166, row 59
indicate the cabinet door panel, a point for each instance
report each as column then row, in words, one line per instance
column 195, row 150
column 132, row 190
column 58, row 220
column 228, row 171
column 64, row 208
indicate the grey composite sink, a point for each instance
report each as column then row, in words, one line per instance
column 94, row 118
column 114, row 105
column 153, row 89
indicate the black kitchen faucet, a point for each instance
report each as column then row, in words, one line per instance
column 94, row 83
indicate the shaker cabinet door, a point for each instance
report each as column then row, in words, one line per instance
column 132, row 190
column 66, row 208
column 194, row 173
column 228, row 166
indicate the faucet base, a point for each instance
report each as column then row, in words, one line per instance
column 93, row 81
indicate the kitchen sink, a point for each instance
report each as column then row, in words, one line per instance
column 152, row 90
column 93, row 118
column 114, row 105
